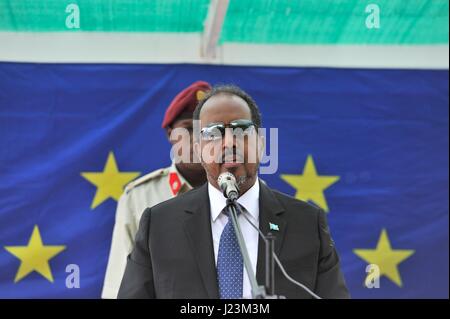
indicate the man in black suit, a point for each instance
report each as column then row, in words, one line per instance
column 186, row 248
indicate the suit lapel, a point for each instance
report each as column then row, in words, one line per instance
column 270, row 212
column 198, row 231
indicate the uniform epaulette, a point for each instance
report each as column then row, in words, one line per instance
column 143, row 179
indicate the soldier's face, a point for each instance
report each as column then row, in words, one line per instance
column 239, row 156
column 186, row 145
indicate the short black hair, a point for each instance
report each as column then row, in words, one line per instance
column 230, row 89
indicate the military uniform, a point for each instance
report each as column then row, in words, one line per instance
column 146, row 191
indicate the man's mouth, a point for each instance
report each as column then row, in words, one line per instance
column 231, row 165
column 231, row 161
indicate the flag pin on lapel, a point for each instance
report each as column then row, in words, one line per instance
column 274, row 227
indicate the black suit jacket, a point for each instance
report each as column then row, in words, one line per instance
column 173, row 255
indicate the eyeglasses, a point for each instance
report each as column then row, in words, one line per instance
column 216, row 131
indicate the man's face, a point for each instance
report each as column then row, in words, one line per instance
column 239, row 156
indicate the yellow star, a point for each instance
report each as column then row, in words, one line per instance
column 35, row 256
column 386, row 258
column 110, row 182
column 311, row 186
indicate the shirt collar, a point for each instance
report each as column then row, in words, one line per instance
column 178, row 178
column 250, row 200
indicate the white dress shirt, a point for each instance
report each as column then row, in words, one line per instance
column 250, row 200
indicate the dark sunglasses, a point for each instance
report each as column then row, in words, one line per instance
column 215, row 131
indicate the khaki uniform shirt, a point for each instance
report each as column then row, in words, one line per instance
column 146, row 191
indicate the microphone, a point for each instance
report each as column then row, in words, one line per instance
column 227, row 183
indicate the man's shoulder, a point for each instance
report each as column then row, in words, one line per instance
column 192, row 196
column 171, row 211
column 174, row 208
column 291, row 203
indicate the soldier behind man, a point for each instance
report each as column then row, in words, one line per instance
column 153, row 188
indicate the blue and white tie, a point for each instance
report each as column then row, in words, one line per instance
column 230, row 266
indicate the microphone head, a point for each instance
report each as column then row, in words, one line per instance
column 225, row 179
column 227, row 183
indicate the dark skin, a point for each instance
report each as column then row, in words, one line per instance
column 192, row 172
column 225, row 108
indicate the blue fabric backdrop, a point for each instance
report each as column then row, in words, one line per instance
column 384, row 133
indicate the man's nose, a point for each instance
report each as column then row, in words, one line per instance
column 228, row 139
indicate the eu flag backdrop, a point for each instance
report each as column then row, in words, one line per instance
column 369, row 146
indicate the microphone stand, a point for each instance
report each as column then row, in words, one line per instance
column 258, row 292
column 270, row 265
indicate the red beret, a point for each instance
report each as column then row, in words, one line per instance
column 185, row 101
